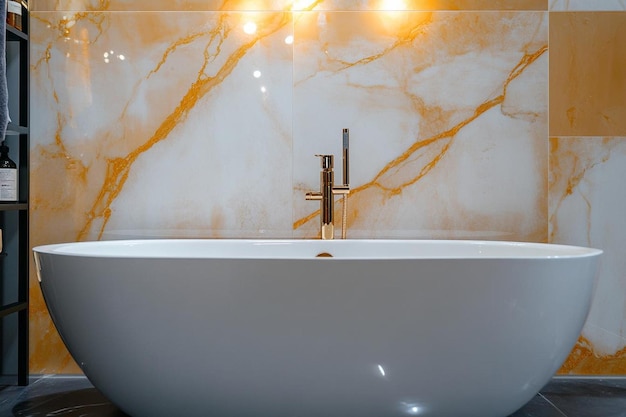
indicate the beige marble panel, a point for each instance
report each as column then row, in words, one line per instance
column 587, row 5
column 277, row 5
column 447, row 113
column 587, row 73
column 587, row 206
column 423, row 5
column 138, row 132
column 117, row 5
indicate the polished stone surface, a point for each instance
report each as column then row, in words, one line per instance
column 74, row 395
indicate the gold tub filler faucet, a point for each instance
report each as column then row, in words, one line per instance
column 328, row 190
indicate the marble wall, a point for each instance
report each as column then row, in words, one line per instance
column 202, row 118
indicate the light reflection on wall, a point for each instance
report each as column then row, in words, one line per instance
column 302, row 5
column 392, row 5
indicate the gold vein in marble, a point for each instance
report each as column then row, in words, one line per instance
column 569, row 167
column 584, row 361
column 118, row 169
column 398, row 166
column 576, row 180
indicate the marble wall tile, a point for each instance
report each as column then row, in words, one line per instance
column 162, row 5
column 117, row 5
column 139, row 131
column 587, row 5
column 587, row 206
column 587, row 74
column 442, row 107
column 284, row 5
column 422, row 5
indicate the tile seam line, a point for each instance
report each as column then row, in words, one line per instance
column 552, row 404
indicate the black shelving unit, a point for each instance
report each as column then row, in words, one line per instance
column 14, row 257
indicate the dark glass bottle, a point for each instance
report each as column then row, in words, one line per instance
column 8, row 175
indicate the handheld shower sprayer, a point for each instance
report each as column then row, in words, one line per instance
column 346, row 181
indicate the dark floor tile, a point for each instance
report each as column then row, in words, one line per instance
column 56, row 396
column 85, row 402
column 75, row 396
column 8, row 396
column 538, row 407
column 588, row 397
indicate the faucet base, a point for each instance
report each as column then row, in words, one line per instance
column 328, row 231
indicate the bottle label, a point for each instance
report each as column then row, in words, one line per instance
column 8, row 184
column 14, row 7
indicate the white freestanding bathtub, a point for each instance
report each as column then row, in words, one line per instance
column 265, row 328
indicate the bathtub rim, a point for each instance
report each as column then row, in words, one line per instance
column 261, row 249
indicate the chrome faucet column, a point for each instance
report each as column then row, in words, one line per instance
column 328, row 190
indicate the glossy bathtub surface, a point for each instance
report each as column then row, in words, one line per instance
column 264, row 328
